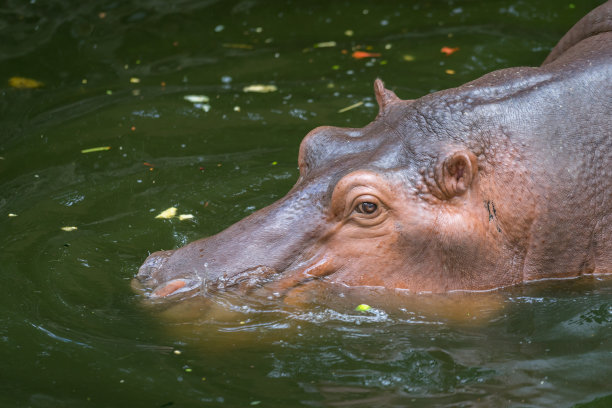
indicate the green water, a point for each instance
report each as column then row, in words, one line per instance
column 72, row 332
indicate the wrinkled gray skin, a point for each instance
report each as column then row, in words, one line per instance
column 503, row 180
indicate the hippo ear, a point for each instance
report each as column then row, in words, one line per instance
column 384, row 97
column 455, row 174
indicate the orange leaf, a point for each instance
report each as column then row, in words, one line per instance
column 449, row 50
column 363, row 54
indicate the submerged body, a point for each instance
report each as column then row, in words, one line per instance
column 503, row 180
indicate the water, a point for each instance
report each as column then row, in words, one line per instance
column 73, row 334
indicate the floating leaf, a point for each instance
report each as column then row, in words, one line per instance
column 184, row 217
column 134, row 80
column 24, row 83
column 260, row 88
column 12, row 215
column 196, row 98
column 239, row 46
column 69, row 228
column 363, row 307
column 449, row 50
column 325, row 44
column 450, row 71
column 353, row 106
column 364, row 54
column 167, row 213
column 96, row 149
column 408, row 57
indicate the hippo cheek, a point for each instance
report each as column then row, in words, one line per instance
column 295, row 278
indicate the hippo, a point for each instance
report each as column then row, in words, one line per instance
column 503, row 180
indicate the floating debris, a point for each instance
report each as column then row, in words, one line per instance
column 96, row 149
column 365, row 54
column 325, row 44
column 238, row 46
column 450, row 71
column 167, row 213
column 134, row 80
column 408, row 57
column 24, row 83
column 363, row 307
column 184, row 217
column 196, row 98
column 349, row 33
column 449, row 50
column 260, row 88
column 69, row 228
column 12, row 215
column 353, row 106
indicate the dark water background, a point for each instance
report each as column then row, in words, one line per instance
column 73, row 334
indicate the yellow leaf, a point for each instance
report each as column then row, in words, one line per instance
column 167, row 213
column 24, row 83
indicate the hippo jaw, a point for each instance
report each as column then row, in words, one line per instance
column 245, row 281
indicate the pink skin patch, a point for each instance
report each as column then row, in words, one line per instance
column 169, row 288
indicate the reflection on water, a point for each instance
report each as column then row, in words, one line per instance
column 72, row 331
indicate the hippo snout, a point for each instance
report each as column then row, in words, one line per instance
column 157, row 279
column 154, row 266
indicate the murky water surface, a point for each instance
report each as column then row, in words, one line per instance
column 72, row 332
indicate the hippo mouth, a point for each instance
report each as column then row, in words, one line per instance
column 275, row 283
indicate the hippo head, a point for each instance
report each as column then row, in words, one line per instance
column 396, row 204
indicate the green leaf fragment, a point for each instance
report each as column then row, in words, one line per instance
column 363, row 307
column 96, row 149
column 353, row 106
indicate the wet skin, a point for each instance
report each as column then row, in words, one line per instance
column 503, row 180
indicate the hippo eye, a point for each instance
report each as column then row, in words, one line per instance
column 366, row 208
